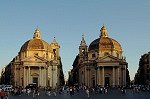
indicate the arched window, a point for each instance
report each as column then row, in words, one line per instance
column 54, row 51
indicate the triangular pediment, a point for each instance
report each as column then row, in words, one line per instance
column 34, row 59
column 109, row 58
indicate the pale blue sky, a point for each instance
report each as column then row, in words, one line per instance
column 127, row 21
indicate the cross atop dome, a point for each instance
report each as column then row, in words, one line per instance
column 37, row 34
column 103, row 32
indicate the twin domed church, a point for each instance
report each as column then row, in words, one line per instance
column 101, row 63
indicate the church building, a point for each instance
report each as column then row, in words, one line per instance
column 101, row 63
column 37, row 62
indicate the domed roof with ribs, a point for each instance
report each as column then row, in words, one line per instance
column 104, row 42
column 36, row 43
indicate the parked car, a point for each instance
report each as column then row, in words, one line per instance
column 6, row 87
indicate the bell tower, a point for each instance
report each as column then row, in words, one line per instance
column 55, row 48
column 83, row 49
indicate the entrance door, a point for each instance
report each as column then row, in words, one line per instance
column 35, row 80
column 93, row 83
column 107, row 81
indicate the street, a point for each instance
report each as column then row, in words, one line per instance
column 112, row 94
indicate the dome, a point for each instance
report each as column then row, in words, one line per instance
column 35, row 44
column 94, row 45
column 104, row 42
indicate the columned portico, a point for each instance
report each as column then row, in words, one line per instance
column 110, row 75
column 34, row 74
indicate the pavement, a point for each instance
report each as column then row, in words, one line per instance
column 112, row 94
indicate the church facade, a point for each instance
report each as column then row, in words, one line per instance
column 101, row 63
column 37, row 62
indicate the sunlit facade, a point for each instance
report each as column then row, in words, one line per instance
column 37, row 62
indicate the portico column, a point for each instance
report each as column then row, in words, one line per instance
column 47, row 77
column 97, row 76
column 118, row 76
column 40, row 77
column 15, row 76
column 103, row 79
column 113, row 76
column 122, row 76
column 89, row 77
column 29, row 76
column 24, row 75
column 125, row 76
